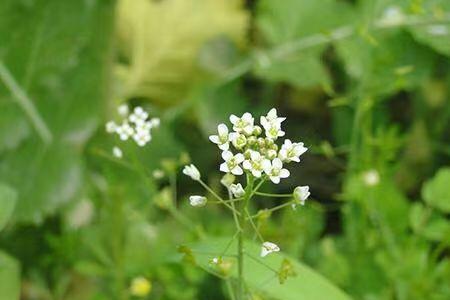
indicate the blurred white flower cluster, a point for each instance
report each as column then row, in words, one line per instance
column 253, row 148
column 136, row 126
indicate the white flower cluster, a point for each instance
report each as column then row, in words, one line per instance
column 253, row 152
column 135, row 125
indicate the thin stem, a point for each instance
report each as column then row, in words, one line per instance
column 274, row 195
column 270, row 210
column 235, row 216
column 217, row 196
column 254, row 226
column 240, row 249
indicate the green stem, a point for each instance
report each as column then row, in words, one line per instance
column 240, row 249
column 274, row 195
column 217, row 196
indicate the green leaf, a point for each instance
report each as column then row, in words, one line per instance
column 428, row 223
column 394, row 63
column 435, row 35
column 48, row 178
column 59, row 61
column 9, row 277
column 307, row 284
column 283, row 23
column 436, row 191
column 160, row 42
column 8, row 198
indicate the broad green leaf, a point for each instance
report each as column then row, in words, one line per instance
column 396, row 62
column 285, row 22
column 8, row 198
column 9, row 277
column 47, row 178
column 435, row 35
column 307, row 284
column 436, row 191
column 160, row 42
column 58, row 60
column 14, row 127
column 429, row 223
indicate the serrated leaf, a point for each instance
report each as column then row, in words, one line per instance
column 9, row 277
column 436, row 191
column 8, row 198
column 307, row 285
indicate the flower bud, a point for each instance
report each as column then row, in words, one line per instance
column 197, row 201
column 257, row 130
column 301, row 193
column 192, row 172
column 227, row 180
column 237, row 190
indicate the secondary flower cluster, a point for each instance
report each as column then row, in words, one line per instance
column 136, row 125
column 255, row 149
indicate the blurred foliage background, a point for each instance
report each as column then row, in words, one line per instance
column 364, row 84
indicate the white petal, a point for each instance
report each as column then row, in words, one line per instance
column 224, row 146
column 247, row 165
column 239, row 158
column 233, row 136
column 214, row 139
column 237, row 171
column 284, row 173
column 222, row 129
column 227, row 155
column 224, row 168
column 234, row 119
column 275, row 179
column 256, row 173
column 247, row 117
column 266, row 164
column 272, row 113
column 277, row 163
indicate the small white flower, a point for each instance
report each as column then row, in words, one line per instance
column 393, row 15
column 124, row 131
column 269, row 247
column 138, row 116
column 301, row 193
column 237, row 190
column 273, row 130
column 192, row 172
column 197, row 201
column 371, row 177
column 256, row 164
column 117, row 152
column 111, row 127
column 291, row 151
column 271, row 154
column 231, row 164
column 215, row 260
column 271, row 117
column 155, row 122
column 275, row 171
column 243, row 124
column 123, row 110
column 222, row 139
column 142, row 137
